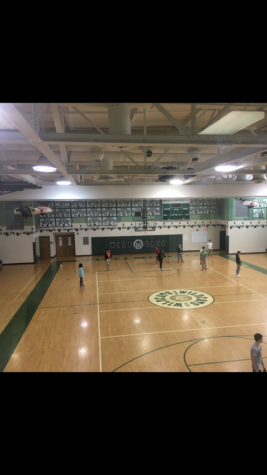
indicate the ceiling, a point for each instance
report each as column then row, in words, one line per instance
column 146, row 143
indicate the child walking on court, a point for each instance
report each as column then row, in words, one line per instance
column 80, row 274
column 203, row 256
column 179, row 252
column 157, row 254
column 210, row 248
column 238, row 263
column 160, row 258
column 107, row 258
column 256, row 355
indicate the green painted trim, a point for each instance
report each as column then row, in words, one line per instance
column 15, row 329
column 250, row 266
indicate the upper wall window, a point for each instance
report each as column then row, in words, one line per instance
column 241, row 211
column 13, row 221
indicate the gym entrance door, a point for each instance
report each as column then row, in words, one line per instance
column 65, row 245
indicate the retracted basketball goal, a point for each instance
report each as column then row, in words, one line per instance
column 145, row 225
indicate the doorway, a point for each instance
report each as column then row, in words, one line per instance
column 44, row 247
column 65, row 245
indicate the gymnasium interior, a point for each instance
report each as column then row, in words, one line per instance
column 80, row 179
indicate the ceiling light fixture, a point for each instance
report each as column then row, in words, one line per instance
column 63, row 181
column 233, row 122
column 226, row 168
column 176, row 182
column 43, row 165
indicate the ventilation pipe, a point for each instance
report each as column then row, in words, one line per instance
column 243, row 178
column 119, row 119
column 259, row 178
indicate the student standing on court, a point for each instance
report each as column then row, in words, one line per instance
column 203, row 255
column 160, row 259
column 200, row 257
column 157, row 254
column 80, row 274
column 179, row 252
column 107, row 258
column 256, row 356
column 210, row 248
column 238, row 262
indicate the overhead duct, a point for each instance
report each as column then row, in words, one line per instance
column 260, row 177
column 107, row 165
column 119, row 119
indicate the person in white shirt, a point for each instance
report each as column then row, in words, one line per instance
column 210, row 248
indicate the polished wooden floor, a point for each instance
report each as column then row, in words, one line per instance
column 110, row 325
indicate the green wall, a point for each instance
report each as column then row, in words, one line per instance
column 168, row 243
column 231, row 211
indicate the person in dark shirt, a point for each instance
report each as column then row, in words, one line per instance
column 160, row 258
column 239, row 263
column 157, row 254
column 107, row 258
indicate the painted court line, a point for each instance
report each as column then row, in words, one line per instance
column 254, row 291
column 28, row 283
column 159, row 290
column 125, row 309
column 188, row 330
column 99, row 338
column 238, row 301
column 145, row 308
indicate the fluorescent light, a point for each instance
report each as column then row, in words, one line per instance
column 43, row 165
column 44, row 168
column 233, row 122
column 226, row 168
column 176, row 182
column 63, row 181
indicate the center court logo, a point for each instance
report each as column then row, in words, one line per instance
column 181, row 299
column 138, row 244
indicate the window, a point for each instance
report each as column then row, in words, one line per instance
column 241, row 211
column 85, row 241
column 13, row 221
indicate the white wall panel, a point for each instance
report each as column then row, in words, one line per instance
column 141, row 191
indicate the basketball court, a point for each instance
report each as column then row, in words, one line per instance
column 133, row 318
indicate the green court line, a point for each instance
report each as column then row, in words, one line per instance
column 15, row 329
column 218, row 362
column 211, row 337
column 251, row 266
column 187, row 341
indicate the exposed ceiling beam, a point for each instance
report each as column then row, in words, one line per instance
column 168, row 116
column 160, row 157
column 135, row 140
column 142, row 140
column 88, row 120
column 222, row 159
column 13, row 114
column 132, row 114
column 59, row 129
column 198, row 115
column 219, row 115
column 129, row 156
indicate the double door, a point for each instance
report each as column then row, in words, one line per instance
column 65, row 245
